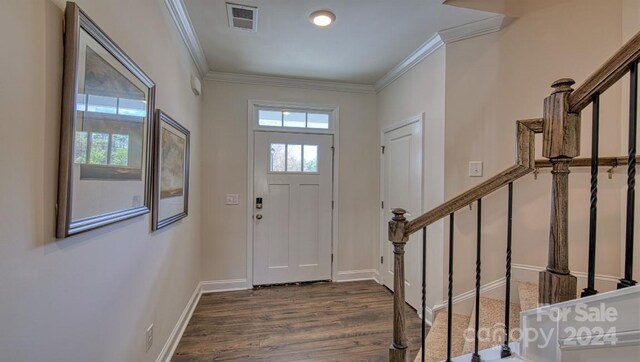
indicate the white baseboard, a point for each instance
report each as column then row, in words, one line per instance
column 429, row 314
column 356, row 275
column 171, row 344
column 214, row 286
column 376, row 276
column 523, row 272
column 530, row 273
column 470, row 294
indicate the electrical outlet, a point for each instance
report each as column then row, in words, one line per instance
column 232, row 199
column 149, row 336
column 475, row 169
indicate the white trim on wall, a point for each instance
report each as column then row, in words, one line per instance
column 423, row 51
column 215, row 286
column 474, row 29
column 289, row 82
column 334, row 128
column 446, row 36
column 531, row 270
column 171, row 344
column 181, row 18
column 357, row 275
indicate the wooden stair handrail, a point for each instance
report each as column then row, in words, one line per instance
column 525, row 164
column 609, row 73
column 586, row 162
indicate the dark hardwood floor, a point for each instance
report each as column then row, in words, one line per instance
column 310, row 322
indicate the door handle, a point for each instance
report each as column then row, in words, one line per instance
column 259, row 216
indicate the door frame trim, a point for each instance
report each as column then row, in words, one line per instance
column 334, row 131
column 384, row 217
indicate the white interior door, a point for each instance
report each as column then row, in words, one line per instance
column 293, row 176
column 402, row 173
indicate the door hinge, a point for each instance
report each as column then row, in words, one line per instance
column 382, row 149
column 332, row 258
column 333, row 150
column 382, row 260
column 332, row 204
column 382, row 204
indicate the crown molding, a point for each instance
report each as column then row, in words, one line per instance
column 446, row 36
column 423, row 51
column 288, row 82
column 474, row 29
column 185, row 28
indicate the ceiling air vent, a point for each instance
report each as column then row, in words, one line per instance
column 242, row 17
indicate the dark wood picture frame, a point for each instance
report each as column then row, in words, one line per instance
column 76, row 22
column 164, row 122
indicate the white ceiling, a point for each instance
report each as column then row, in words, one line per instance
column 368, row 38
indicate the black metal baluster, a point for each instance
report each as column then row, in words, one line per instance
column 450, row 294
column 506, row 350
column 476, row 356
column 631, row 178
column 424, row 290
column 593, row 211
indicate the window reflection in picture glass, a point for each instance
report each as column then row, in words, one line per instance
column 80, row 147
column 119, row 153
column 106, row 104
column 99, row 151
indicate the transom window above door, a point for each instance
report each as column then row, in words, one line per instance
column 283, row 118
column 293, row 158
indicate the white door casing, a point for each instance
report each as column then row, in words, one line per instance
column 292, row 237
column 402, row 187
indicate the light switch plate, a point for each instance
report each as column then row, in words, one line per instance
column 475, row 168
column 232, row 199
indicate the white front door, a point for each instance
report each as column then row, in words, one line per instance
column 402, row 172
column 293, row 176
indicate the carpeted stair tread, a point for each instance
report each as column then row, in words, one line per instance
column 528, row 293
column 492, row 324
column 436, row 341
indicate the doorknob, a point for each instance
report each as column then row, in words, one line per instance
column 259, row 216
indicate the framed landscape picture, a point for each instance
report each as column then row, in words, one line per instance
column 171, row 171
column 106, row 129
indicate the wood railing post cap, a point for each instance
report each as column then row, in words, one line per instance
column 563, row 85
column 398, row 214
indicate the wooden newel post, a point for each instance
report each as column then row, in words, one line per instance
column 561, row 143
column 398, row 352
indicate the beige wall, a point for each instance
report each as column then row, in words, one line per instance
column 89, row 297
column 496, row 79
column 490, row 82
column 422, row 90
column 224, row 140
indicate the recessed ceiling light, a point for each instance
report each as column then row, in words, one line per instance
column 322, row 17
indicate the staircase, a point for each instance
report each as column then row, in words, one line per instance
column 488, row 331
column 491, row 321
